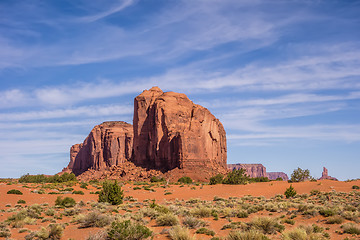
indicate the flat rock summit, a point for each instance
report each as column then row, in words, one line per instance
column 170, row 137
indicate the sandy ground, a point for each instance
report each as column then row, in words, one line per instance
column 203, row 192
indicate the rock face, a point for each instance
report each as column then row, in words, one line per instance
column 108, row 144
column 170, row 132
column 252, row 170
column 171, row 136
column 325, row 175
column 275, row 175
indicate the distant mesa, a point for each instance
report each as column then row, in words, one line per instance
column 258, row 170
column 325, row 175
column 170, row 136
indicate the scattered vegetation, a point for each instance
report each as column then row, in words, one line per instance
column 217, row 179
column 41, row 178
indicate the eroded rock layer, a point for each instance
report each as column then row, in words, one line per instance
column 108, row 144
column 325, row 175
column 170, row 131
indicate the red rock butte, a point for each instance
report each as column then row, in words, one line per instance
column 170, row 134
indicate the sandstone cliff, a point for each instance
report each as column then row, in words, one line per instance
column 325, row 175
column 108, row 144
column 275, row 175
column 170, row 132
column 252, row 170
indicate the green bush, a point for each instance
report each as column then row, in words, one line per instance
column 78, row 192
column 279, row 179
column 266, row 224
column 186, row 180
column 157, row 179
column 290, row 192
column 217, row 179
column 300, row 175
column 111, row 193
column 205, row 231
column 128, row 230
column 259, row 179
column 15, row 191
column 66, row 202
column 236, row 177
column 355, row 187
column 335, row 220
column 84, row 185
column 21, row 201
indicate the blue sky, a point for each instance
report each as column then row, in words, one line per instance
column 282, row 76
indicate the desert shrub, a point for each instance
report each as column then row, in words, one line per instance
column 179, row 233
column 167, row 219
column 205, row 231
column 247, row 235
column 128, row 230
column 300, row 175
column 279, row 179
column 242, row 214
column 111, row 193
column 78, row 192
column 157, row 179
column 50, row 212
column 335, row 220
column 14, row 191
column 351, row 228
column 236, row 177
column 201, row 212
column 266, row 224
column 186, row 180
column 21, row 201
column 290, row 192
column 217, row 179
column 305, row 233
column 193, row 223
column 94, row 219
column 65, row 202
column 327, row 212
column 4, row 231
column 355, row 187
column 84, row 185
column 314, row 192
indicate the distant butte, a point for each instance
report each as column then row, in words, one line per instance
column 170, row 136
column 258, row 170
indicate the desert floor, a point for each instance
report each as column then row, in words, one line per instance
column 182, row 200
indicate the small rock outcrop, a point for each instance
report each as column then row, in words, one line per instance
column 252, row 170
column 107, row 145
column 325, row 175
column 171, row 132
column 276, row 175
